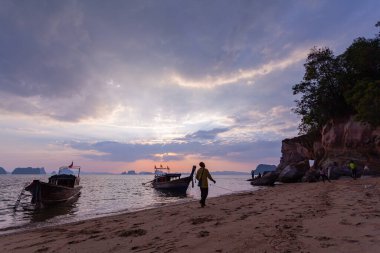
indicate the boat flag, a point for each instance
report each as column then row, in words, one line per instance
column 71, row 165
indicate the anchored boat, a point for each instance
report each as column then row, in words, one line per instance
column 164, row 180
column 60, row 188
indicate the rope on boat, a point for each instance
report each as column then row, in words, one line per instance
column 223, row 188
column 148, row 182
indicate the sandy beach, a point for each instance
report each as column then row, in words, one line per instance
column 342, row 216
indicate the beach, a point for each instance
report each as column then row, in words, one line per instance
column 342, row 216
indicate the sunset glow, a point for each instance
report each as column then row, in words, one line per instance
column 126, row 85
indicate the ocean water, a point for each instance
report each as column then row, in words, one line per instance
column 101, row 195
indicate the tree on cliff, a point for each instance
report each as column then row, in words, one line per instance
column 333, row 87
column 322, row 97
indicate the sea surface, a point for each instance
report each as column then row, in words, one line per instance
column 101, row 195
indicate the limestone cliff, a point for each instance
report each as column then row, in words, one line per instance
column 29, row 170
column 340, row 141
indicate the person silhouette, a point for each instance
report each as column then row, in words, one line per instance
column 202, row 175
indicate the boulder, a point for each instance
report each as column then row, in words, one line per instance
column 267, row 180
column 294, row 172
column 264, row 168
column 337, row 172
column 289, row 175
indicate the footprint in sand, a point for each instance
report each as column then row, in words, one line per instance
column 323, row 238
column 137, row 224
column 132, row 232
column 345, row 222
column 203, row 233
column 243, row 217
column 42, row 249
column 76, row 241
column 351, row 240
column 200, row 220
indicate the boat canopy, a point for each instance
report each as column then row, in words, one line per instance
column 68, row 170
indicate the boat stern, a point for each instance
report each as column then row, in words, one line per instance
column 31, row 186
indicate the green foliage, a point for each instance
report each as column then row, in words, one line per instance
column 333, row 87
column 365, row 97
column 322, row 97
column 362, row 60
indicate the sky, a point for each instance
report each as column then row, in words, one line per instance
column 127, row 85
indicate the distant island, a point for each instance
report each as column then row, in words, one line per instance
column 261, row 168
column 145, row 173
column 29, row 170
column 130, row 172
column 133, row 172
column 3, row 171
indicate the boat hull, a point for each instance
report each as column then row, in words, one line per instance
column 50, row 194
column 179, row 185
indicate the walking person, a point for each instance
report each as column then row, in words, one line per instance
column 202, row 176
column 323, row 175
column 353, row 168
column 365, row 170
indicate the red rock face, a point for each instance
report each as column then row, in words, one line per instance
column 296, row 150
column 345, row 140
column 341, row 140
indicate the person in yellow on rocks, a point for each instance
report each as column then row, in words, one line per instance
column 202, row 175
column 353, row 168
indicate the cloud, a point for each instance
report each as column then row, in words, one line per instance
column 205, row 135
column 248, row 75
column 127, row 152
column 41, row 50
column 67, row 52
column 163, row 79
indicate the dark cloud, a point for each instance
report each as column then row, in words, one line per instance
column 64, row 52
column 116, row 151
column 205, row 135
column 126, row 152
column 42, row 49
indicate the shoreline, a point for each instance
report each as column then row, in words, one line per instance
column 341, row 216
column 48, row 224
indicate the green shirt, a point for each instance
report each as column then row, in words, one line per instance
column 205, row 174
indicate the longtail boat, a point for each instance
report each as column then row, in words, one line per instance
column 60, row 188
column 171, row 181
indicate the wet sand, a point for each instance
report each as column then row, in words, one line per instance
column 342, row 216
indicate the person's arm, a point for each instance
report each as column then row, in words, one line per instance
column 210, row 177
